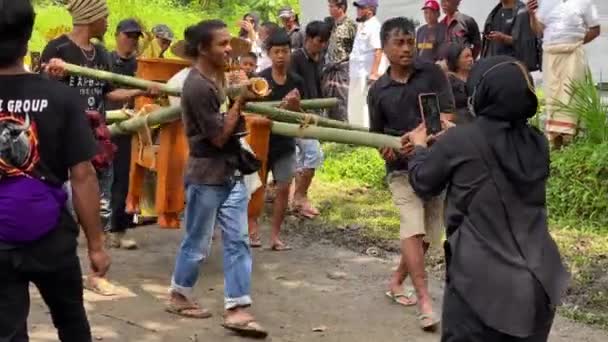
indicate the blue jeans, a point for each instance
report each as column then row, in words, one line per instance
column 207, row 205
column 105, row 179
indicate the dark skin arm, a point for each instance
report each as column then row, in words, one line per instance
column 593, row 33
column 124, row 95
column 501, row 37
column 85, row 191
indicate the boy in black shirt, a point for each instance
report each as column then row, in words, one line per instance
column 307, row 63
column 90, row 21
column 287, row 87
column 52, row 143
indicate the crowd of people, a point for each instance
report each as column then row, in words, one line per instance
column 482, row 177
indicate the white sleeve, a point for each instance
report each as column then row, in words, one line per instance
column 374, row 39
column 591, row 15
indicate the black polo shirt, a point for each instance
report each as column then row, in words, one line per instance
column 310, row 71
column 393, row 106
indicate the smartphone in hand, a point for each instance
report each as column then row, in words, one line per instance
column 430, row 112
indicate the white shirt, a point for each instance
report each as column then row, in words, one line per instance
column 367, row 41
column 567, row 21
column 177, row 81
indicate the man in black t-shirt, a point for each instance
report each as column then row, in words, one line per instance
column 507, row 31
column 123, row 61
column 89, row 18
column 52, row 143
column 216, row 194
column 287, row 87
column 431, row 37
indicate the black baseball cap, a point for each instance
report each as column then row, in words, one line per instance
column 129, row 26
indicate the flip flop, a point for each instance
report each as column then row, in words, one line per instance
column 428, row 322
column 395, row 298
column 191, row 310
column 255, row 242
column 280, row 248
column 100, row 286
column 246, row 329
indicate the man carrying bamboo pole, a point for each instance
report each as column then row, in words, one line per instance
column 89, row 18
column 44, row 140
column 215, row 190
column 123, row 61
column 287, row 87
column 394, row 109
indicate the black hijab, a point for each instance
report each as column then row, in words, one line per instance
column 503, row 102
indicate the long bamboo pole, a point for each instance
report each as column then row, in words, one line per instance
column 283, row 115
column 310, row 104
column 276, row 114
column 257, row 85
column 336, row 135
column 134, row 124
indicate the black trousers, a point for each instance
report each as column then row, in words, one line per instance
column 121, row 220
column 60, row 286
column 461, row 324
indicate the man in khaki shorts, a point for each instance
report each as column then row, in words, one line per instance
column 417, row 217
column 394, row 109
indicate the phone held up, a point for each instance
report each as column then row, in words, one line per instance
column 430, row 112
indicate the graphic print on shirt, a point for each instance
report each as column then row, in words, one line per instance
column 19, row 136
column 90, row 89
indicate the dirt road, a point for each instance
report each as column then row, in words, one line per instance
column 316, row 285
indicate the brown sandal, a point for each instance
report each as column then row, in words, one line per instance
column 188, row 310
column 255, row 242
column 246, row 329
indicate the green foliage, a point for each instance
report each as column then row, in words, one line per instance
column 177, row 14
column 364, row 166
column 585, row 103
column 577, row 191
column 578, row 187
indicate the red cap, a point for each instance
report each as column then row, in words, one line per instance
column 431, row 4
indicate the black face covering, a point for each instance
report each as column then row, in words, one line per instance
column 503, row 102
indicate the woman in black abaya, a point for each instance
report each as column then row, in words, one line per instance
column 504, row 272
